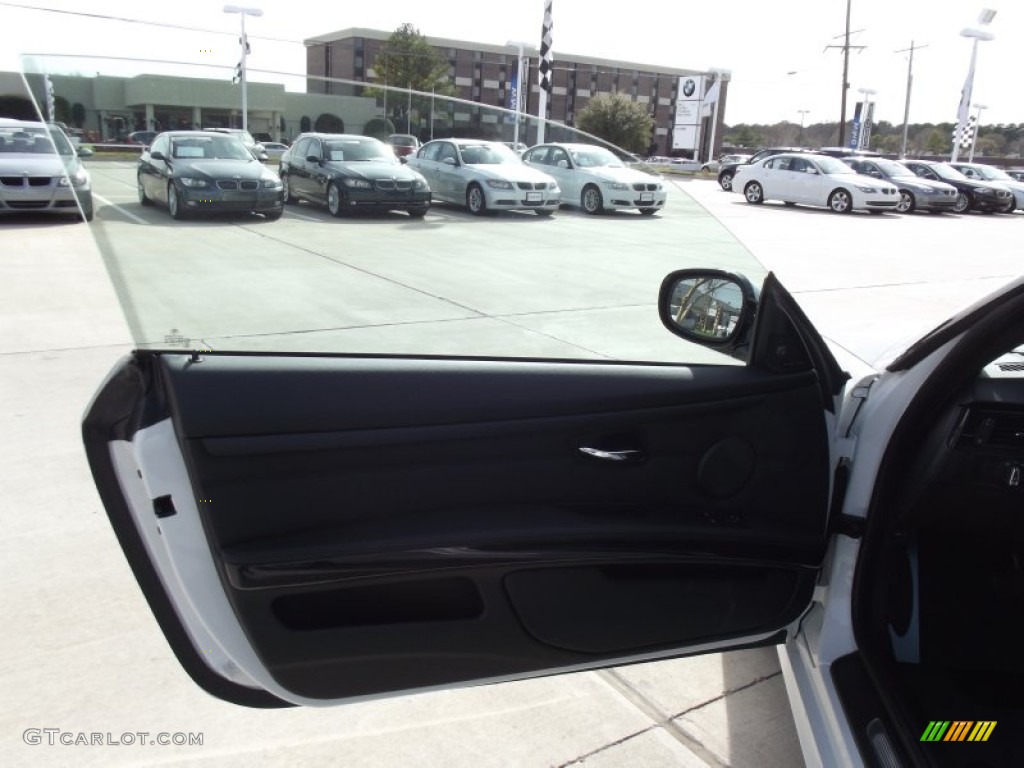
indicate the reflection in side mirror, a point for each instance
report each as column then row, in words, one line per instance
column 709, row 307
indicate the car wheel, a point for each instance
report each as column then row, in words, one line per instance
column 753, row 193
column 174, row 205
column 962, row 204
column 288, row 197
column 591, row 200
column 334, row 200
column 648, row 211
column 840, row 201
column 87, row 208
column 725, row 181
column 907, row 203
column 273, row 215
column 475, row 200
column 143, row 198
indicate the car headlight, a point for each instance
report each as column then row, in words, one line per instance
column 616, row 185
column 77, row 179
column 188, row 181
column 867, row 189
column 927, row 190
column 554, row 190
column 419, row 184
column 357, row 183
column 499, row 184
column 272, row 182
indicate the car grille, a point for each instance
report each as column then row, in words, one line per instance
column 645, row 187
column 387, row 185
column 888, row 191
column 28, row 204
column 20, row 181
column 229, row 185
column 528, row 185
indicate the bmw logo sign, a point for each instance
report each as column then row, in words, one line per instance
column 688, row 88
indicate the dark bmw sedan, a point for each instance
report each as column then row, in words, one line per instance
column 349, row 173
column 971, row 194
column 197, row 172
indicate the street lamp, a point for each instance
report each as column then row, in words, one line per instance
column 243, row 12
column 803, row 114
column 977, row 129
column 977, row 34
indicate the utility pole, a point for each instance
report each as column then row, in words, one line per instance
column 846, row 70
column 906, row 106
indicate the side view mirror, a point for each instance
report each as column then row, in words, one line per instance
column 403, row 160
column 449, row 161
column 312, row 159
column 709, row 307
column 158, row 155
column 563, row 164
column 84, row 152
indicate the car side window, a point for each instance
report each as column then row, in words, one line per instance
column 559, row 158
column 160, row 145
column 313, row 150
column 447, row 151
column 779, row 164
column 298, row 152
column 538, row 156
column 798, row 164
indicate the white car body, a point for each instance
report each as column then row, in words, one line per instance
column 814, row 180
column 583, row 169
column 466, row 171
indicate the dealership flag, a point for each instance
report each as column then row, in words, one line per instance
column 710, row 99
column 964, row 111
column 546, row 57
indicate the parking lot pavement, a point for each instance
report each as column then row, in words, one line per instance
column 82, row 653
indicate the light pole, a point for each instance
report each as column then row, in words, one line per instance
column 243, row 12
column 864, row 137
column 977, row 129
column 906, row 105
column 977, row 34
column 803, row 114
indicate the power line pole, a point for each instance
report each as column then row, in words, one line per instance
column 846, row 71
column 906, row 106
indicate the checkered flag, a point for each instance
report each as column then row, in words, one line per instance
column 969, row 129
column 546, row 57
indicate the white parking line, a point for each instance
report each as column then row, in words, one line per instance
column 129, row 214
column 300, row 216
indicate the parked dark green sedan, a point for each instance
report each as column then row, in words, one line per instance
column 349, row 173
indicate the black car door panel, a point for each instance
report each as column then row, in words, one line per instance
column 384, row 524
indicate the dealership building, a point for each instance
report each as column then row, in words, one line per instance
column 486, row 74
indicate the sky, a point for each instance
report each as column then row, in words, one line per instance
column 776, row 51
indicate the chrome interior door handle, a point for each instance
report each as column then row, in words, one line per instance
column 632, row 455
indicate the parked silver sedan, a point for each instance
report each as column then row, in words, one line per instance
column 40, row 171
column 596, row 180
column 484, row 176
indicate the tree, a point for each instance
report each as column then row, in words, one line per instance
column 938, row 143
column 407, row 60
column 379, row 128
column 619, row 120
column 328, row 123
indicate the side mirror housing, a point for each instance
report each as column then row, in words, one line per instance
column 158, row 155
column 709, row 307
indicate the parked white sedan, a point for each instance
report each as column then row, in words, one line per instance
column 484, row 176
column 596, row 180
column 814, row 180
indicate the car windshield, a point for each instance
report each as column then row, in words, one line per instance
column 947, row 172
column 596, row 157
column 832, row 166
column 892, row 168
column 403, row 141
column 487, row 154
column 208, row 148
column 356, row 150
column 34, row 140
column 992, row 174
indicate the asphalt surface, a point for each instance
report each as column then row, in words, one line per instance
column 83, row 655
